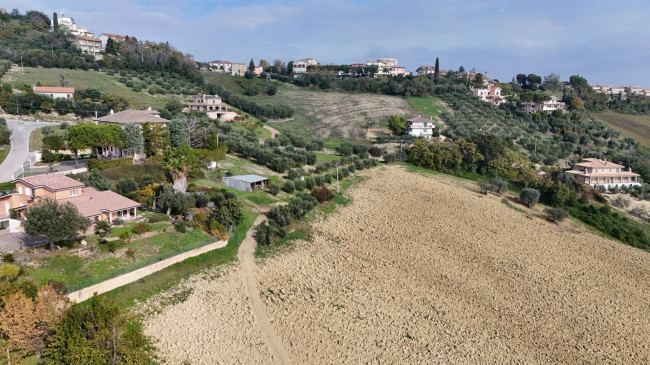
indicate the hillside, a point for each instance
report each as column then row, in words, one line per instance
column 635, row 126
column 477, row 283
column 335, row 114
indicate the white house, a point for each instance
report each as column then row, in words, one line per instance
column 300, row 66
column 55, row 92
column 547, row 106
column 425, row 70
column 489, row 95
column 594, row 172
column 104, row 37
column 420, row 127
column 69, row 24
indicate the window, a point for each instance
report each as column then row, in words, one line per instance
column 28, row 191
column 74, row 192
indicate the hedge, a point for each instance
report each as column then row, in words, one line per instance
column 97, row 164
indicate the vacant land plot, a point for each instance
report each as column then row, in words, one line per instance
column 80, row 79
column 636, row 126
column 334, row 114
column 36, row 137
column 435, row 274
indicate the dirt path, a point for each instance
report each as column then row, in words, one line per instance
column 273, row 131
column 248, row 277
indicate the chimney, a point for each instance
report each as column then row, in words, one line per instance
column 111, row 111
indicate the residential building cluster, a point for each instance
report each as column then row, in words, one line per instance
column 83, row 38
column 621, row 90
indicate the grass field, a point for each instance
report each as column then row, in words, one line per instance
column 226, row 80
column 635, row 126
column 4, row 151
column 136, row 172
column 36, row 137
column 320, row 156
column 80, row 79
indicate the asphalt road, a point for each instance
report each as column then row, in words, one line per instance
column 20, row 131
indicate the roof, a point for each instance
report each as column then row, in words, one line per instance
column 52, row 182
column 248, row 178
column 87, row 38
column 113, row 35
column 93, row 202
column 424, row 68
column 602, row 174
column 133, row 116
column 48, row 89
column 419, row 119
column 594, row 162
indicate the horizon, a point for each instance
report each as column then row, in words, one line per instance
column 495, row 38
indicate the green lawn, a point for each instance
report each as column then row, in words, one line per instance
column 36, row 137
column 429, row 106
column 80, row 79
column 4, row 151
column 136, row 172
column 142, row 289
column 635, row 126
column 226, row 80
column 76, row 272
column 320, row 156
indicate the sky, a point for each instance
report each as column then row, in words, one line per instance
column 607, row 42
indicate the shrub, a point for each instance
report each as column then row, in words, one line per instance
column 375, row 151
column 112, row 247
column 102, row 228
column 201, row 199
column 556, row 214
column 125, row 236
column 288, row 187
column 281, row 215
column 500, row 185
column 352, row 168
column 485, row 185
column 200, row 220
column 131, row 253
column 529, row 196
column 157, row 218
column 215, row 229
column 141, row 228
column 274, row 189
column 621, row 202
column 125, row 186
column 181, row 227
column 299, row 184
column 323, row 194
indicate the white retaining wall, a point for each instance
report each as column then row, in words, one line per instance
column 127, row 278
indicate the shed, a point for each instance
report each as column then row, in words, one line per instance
column 246, row 182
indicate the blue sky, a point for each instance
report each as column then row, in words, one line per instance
column 608, row 42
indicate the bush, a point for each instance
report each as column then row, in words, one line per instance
column 181, row 227
column 141, row 228
column 125, row 186
column 299, row 184
column 274, row 189
column 352, row 168
column 323, row 194
column 125, row 236
column 118, row 222
column 102, row 228
column 556, row 214
column 621, row 202
column 288, row 187
column 97, row 164
column 529, row 196
column 485, row 185
column 500, row 185
column 375, row 151
column 157, row 218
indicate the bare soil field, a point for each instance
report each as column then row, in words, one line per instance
column 422, row 269
column 334, row 114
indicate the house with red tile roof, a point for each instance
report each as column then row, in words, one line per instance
column 592, row 171
column 55, row 92
column 104, row 37
column 93, row 204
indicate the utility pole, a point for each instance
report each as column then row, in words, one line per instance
column 22, row 69
column 217, row 138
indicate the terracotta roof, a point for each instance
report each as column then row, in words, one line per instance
column 48, row 89
column 93, row 202
column 52, row 181
column 133, row 116
column 113, row 35
column 602, row 174
column 594, row 162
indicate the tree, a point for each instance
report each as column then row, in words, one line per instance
column 174, row 201
column 49, row 157
column 529, row 196
column 134, row 142
column 478, row 80
column 27, row 322
column 111, row 47
column 461, row 69
column 251, row 66
column 56, row 221
column 533, row 81
column 55, row 23
column 436, row 74
column 264, row 64
column 521, row 80
column 155, row 137
column 54, row 142
column 178, row 133
column 556, row 214
column 126, row 186
column 396, row 124
column 97, row 181
column 179, row 162
column 97, row 332
column 227, row 212
column 102, row 228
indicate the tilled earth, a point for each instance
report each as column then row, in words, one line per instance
column 422, row 269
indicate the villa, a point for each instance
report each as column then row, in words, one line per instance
column 420, row 127
column 93, row 204
column 212, row 105
column 547, row 106
column 592, row 171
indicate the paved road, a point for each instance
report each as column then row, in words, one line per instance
column 20, row 131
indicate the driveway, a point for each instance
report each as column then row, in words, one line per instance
column 11, row 242
column 20, row 131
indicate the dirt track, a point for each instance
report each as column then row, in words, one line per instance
column 411, row 272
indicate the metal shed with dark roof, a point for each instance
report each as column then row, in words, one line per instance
column 246, row 182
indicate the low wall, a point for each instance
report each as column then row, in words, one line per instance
column 124, row 279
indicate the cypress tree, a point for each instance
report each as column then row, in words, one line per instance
column 55, row 22
column 437, row 71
